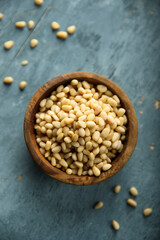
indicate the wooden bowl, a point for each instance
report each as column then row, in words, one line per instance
column 29, row 134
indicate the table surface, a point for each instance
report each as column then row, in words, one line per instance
column 119, row 40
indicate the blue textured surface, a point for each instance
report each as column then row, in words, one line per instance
column 117, row 39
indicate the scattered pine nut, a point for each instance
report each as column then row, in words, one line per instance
column 24, row 63
column 98, row 205
column 20, row 24
column 1, row 16
column 19, row 178
column 22, row 85
column 71, row 29
column 31, row 24
column 147, row 211
column 133, row 191
column 115, row 225
column 132, row 202
column 9, row 44
column 117, row 188
column 38, row 2
column 8, row 80
column 141, row 111
column 55, row 25
column 156, row 104
column 152, row 147
column 33, row 43
column 62, row 34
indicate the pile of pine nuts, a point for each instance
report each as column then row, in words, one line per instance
column 80, row 128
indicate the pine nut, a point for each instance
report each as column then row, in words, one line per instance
column 91, row 124
column 82, row 124
column 63, row 163
column 80, row 156
column 48, row 145
column 24, row 63
column 9, row 44
column 56, row 149
column 57, row 156
column 112, row 102
column 53, row 161
column 69, row 171
column 66, row 108
column 31, row 24
column 43, row 103
column 133, row 191
column 81, row 132
column 98, row 205
column 120, row 129
column 117, row 188
column 38, row 2
column 49, row 125
column 74, row 82
column 101, row 88
column 78, row 164
column 22, row 85
column 132, row 202
column 96, row 151
column 48, row 118
column 79, row 173
column 106, row 166
column 96, row 136
column 115, row 137
column 33, row 43
column 96, row 171
column 102, row 149
column 101, row 121
column 91, row 156
column 49, row 103
column 109, row 93
column 75, row 137
column 90, row 172
column 105, row 132
column 116, row 98
column 20, row 24
column 80, row 149
column 1, row 16
column 62, row 34
column 71, row 29
column 67, row 140
column 115, row 145
column 55, row 25
column 121, row 112
column 115, row 225
column 89, row 146
column 100, row 165
column 8, row 80
column 110, row 119
column 147, row 211
column 91, row 117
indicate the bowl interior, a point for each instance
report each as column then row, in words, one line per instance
column 29, row 133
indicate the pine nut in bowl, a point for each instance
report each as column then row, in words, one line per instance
column 80, row 128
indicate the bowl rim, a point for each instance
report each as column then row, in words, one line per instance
column 44, row 164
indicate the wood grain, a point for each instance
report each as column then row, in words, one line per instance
column 29, row 134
